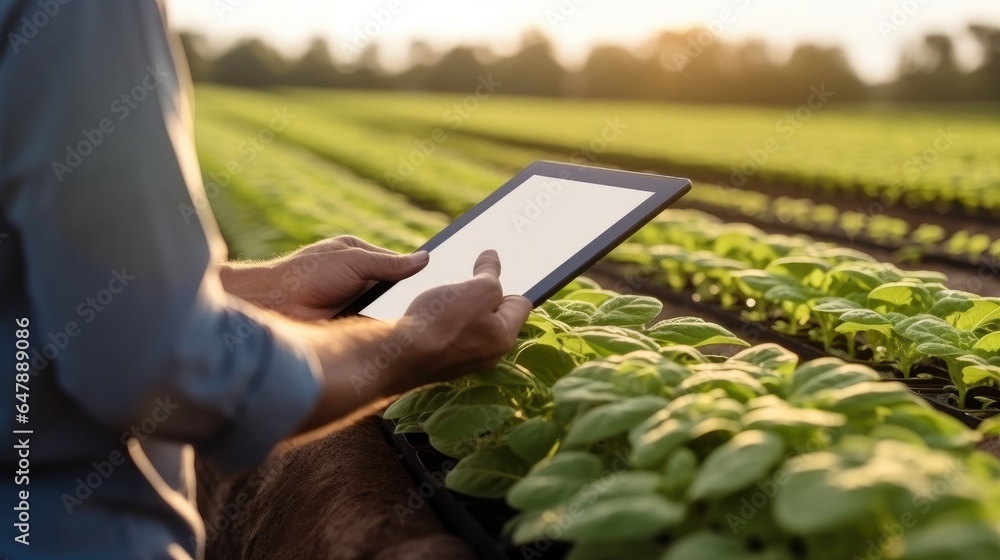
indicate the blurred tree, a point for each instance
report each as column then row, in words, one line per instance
column 315, row 68
column 612, row 72
column 929, row 73
column 986, row 78
column 250, row 63
column 690, row 66
column 532, row 70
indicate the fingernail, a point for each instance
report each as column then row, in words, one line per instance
column 420, row 257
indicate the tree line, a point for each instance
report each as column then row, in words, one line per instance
column 691, row 66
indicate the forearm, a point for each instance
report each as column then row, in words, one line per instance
column 363, row 360
column 258, row 283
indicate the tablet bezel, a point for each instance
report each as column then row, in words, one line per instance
column 666, row 190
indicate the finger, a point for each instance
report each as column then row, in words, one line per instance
column 380, row 266
column 513, row 312
column 488, row 263
column 351, row 241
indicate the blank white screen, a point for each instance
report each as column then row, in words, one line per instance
column 535, row 228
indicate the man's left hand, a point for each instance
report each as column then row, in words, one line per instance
column 317, row 281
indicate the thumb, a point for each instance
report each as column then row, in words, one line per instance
column 384, row 266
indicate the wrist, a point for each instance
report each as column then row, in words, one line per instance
column 256, row 283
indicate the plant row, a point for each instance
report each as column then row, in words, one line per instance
column 935, row 159
column 840, row 298
column 277, row 196
column 633, row 440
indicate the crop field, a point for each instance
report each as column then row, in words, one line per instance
column 817, row 322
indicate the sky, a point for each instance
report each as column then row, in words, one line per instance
column 872, row 32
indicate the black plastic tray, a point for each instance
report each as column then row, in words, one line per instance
column 479, row 522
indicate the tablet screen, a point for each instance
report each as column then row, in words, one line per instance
column 535, row 228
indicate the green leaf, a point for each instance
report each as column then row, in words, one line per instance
column 487, row 473
column 863, row 397
column 616, row 550
column 427, row 399
column 614, row 341
column 692, row 331
column 939, row 350
column 983, row 312
column 682, row 467
column 713, row 546
column 579, row 283
column 787, row 418
column 617, row 518
column 862, row 320
column 555, row 480
column 611, row 419
column 826, row 373
column 899, row 295
column 470, row 413
column 627, row 311
column 927, row 328
column 988, row 343
column 581, row 390
column 990, row 427
column 834, row 305
column 504, row 375
column 533, row 439
column 651, row 448
column 736, row 464
column 590, row 295
column 951, row 304
column 544, row 361
column 807, row 270
column 573, row 317
column 936, row 430
column 968, row 539
column 770, row 357
column 737, row 384
column 812, row 501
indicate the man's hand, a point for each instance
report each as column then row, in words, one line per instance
column 317, row 281
column 446, row 332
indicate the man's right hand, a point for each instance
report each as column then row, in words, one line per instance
column 462, row 327
column 447, row 332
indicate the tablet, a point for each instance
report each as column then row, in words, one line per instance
column 548, row 224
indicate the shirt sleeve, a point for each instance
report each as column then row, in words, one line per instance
column 100, row 182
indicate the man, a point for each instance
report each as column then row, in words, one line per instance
column 142, row 348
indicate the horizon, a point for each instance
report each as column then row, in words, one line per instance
column 872, row 34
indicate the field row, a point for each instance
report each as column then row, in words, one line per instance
column 935, row 159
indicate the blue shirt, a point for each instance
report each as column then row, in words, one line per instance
column 138, row 356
